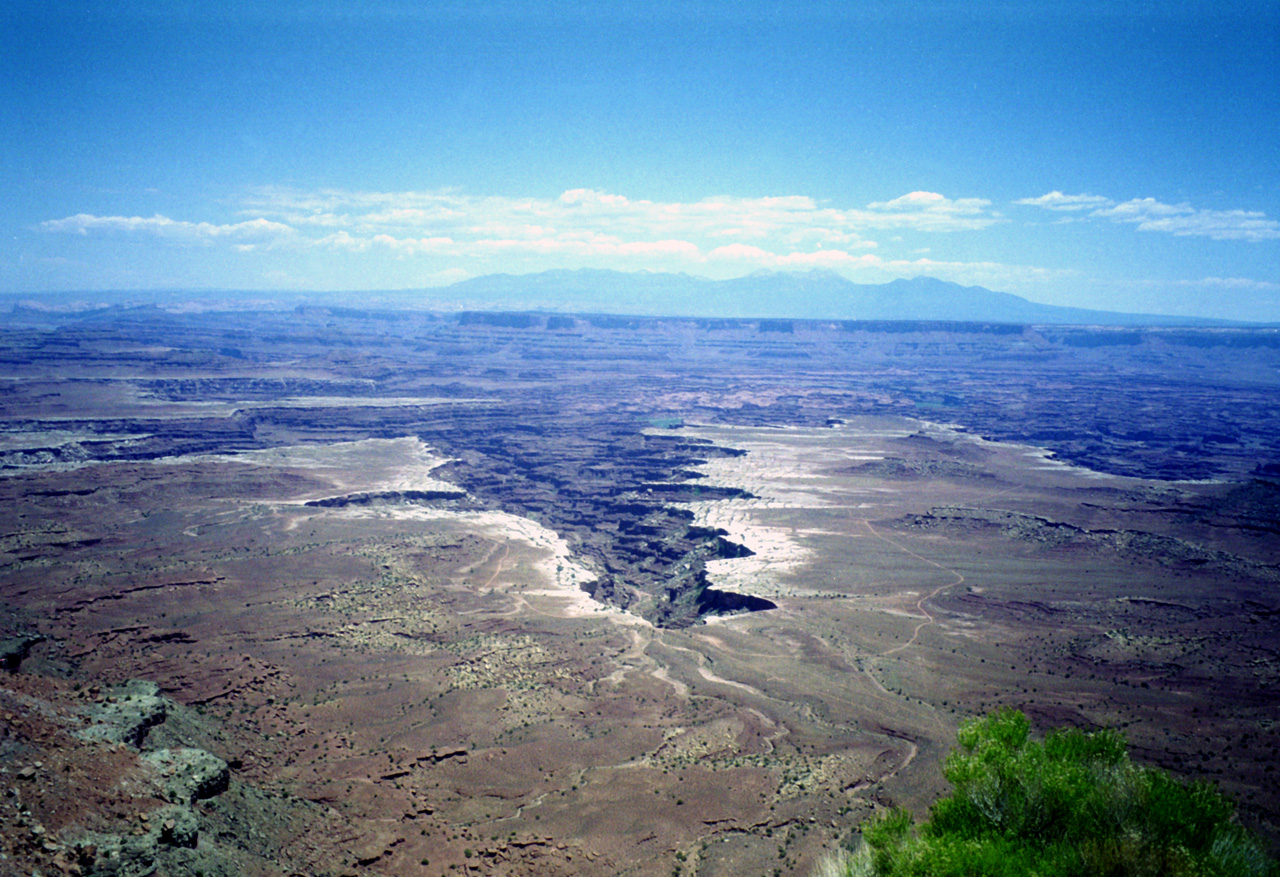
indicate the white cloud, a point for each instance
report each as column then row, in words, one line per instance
column 1232, row 283
column 721, row 217
column 415, row 246
column 932, row 202
column 1140, row 209
column 342, row 240
column 1183, row 220
column 163, row 226
column 1186, row 221
column 1055, row 200
column 592, row 198
column 752, row 256
column 450, row 231
column 929, row 211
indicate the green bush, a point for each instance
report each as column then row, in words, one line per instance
column 1072, row 806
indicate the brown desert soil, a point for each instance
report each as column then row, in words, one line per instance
column 489, row 617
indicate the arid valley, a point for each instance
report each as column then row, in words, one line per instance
column 326, row 591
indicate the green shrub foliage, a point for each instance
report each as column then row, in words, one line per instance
column 1072, row 806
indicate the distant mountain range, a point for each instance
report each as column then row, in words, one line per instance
column 816, row 295
column 813, row 295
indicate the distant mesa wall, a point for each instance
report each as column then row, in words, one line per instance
column 905, row 326
column 501, row 320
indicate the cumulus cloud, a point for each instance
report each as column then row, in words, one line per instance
column 933, row 203
column 1150, row 214
column 930, row 211
column 592, row 198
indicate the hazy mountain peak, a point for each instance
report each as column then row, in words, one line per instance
column 819, row 293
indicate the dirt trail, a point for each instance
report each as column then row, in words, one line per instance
column 498, row 567
column 929, row 618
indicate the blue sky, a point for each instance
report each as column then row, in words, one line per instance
column 1119, row 155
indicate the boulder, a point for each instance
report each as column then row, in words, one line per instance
column 127, row 716
column 187, row 775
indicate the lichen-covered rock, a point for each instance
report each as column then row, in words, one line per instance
column 102, row 854
column 187, row 775
column 127, row 716
column 176, row 826
column 114, row 855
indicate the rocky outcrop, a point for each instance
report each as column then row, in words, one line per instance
column 387, row 497
column 136, row 854
column 92, row 804
column 14, row 649
column 126, row 716
column 899, row 468
column 186, row 775
column 86, row 801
